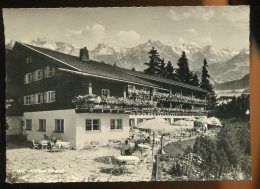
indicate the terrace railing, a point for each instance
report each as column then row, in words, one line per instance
column 164, row 97
column 93, row 103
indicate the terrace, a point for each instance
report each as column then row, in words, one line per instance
column 141, row 102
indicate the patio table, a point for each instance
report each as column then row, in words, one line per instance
column 44, row 143
column 143, row 148
column 61, row 144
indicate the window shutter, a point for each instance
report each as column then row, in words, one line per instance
column 45, row 98
column 24, row 100
column 52, row 97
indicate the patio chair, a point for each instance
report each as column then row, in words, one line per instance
column 94, row 145
column 54, row 148
column 68, row 146
column 35, row 145
column 44, row 143
column 95, row 174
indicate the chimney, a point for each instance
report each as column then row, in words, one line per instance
column 83, row 54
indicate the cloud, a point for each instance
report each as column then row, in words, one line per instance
column 236, row 14
column 198, row 13
column 207, row 15
column 187, row 15
column 193, row 31
column 174, row 16
column 94, row 31
column 70, row 33
column 128, row 36
column 181, row 40
column 206, row 39
column 98, row 29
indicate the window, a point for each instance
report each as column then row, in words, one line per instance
column 28, row 125
column 26, row 100
column 49, row 96
column 28, row 78
column 47, row 72
column 131, row 122
column 42, row 125
column 177, row 119
column 139, row 120
column 32, row 99
column 52, row 71
column 38, row 75
column 168, row 119
column 34, row 76
column 116, row 124
column 39, row 98
column 59, row 125
column 92, row 125
column 29, row 59
column 52, row 96
column 105, row 92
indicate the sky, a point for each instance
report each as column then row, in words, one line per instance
column 222, row 27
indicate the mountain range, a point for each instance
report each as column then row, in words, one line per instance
column 224, row 64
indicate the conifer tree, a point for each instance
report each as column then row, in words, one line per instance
column 195, row 80
column 205, row 84
column 169, row 71
column 153, row 65
column 183, row 71
column 162, row 70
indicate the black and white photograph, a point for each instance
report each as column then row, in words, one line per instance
column 127, row 94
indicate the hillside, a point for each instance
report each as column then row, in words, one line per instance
column 235, row 84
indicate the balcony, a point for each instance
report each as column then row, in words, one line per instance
column 97, row 104
column 178, row 98
column 166, row 97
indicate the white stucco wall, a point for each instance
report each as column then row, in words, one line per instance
column 15, row 125
column 171, row 117
column 84, row 137
column 50, row 116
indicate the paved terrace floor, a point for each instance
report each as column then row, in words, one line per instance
column 69, row 166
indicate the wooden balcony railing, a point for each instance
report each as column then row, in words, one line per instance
column 94, row 108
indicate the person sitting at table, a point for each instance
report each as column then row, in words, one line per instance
column 132, row 139
column 148, row 139
column 126, row 149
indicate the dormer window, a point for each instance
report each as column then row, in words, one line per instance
column 29, row 59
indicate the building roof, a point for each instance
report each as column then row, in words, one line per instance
column 101, row 69
column 159, row 79
column 91, row 67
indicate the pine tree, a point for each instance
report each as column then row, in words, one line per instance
column 153, row 65
column 133, row 69
column 162, row 70
column 169, row 71
column 195, row 80
column 205, row 84
column 183, row 72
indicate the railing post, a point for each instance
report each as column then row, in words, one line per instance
column 125, row 91
column 89, row 87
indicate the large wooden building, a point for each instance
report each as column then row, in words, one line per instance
column 81, row 100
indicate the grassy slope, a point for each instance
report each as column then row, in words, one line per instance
column 178, row 147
